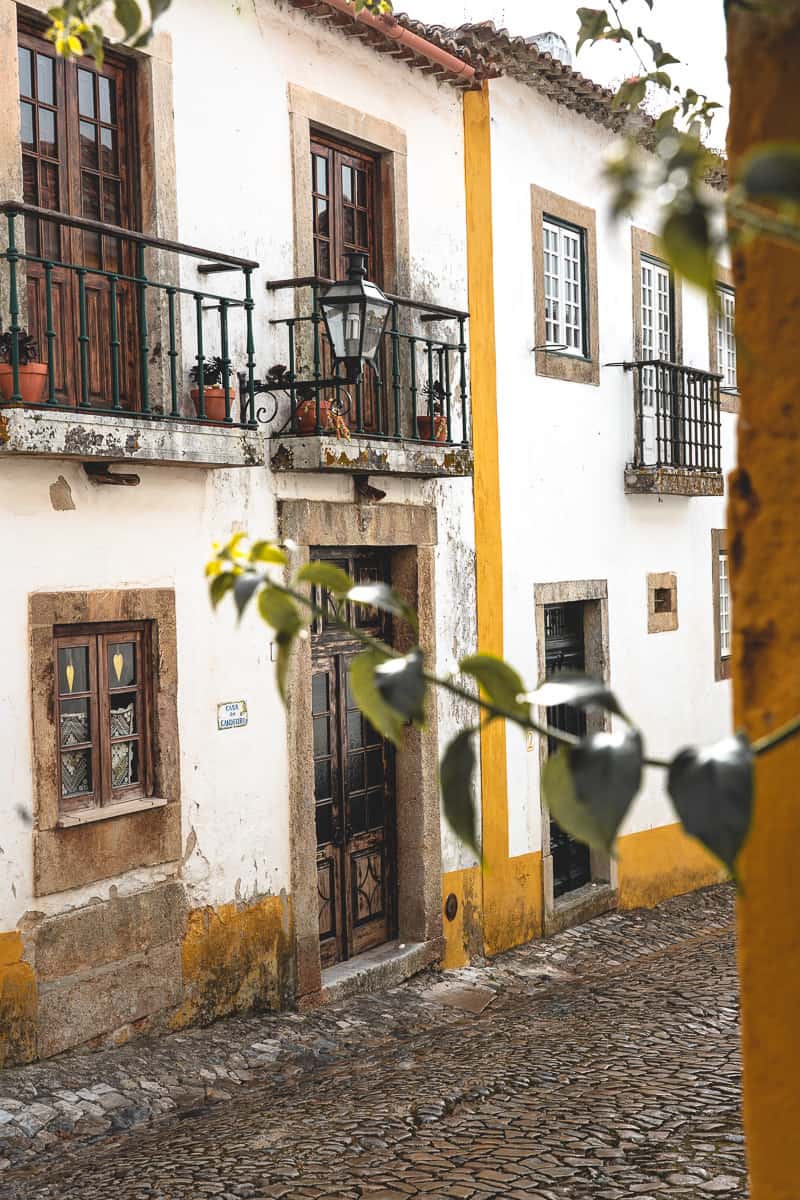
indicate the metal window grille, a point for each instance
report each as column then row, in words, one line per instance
column 726, row 337
column 724, row 607
column 564, row 299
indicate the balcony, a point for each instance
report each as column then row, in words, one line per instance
column 678, row 431
column 99, row 322
column 410, row 418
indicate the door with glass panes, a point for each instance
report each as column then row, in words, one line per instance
column 564, row 651
column 353, row 788
column 77, row 141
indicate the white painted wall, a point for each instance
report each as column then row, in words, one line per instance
column 563, row 448
column 232, row 67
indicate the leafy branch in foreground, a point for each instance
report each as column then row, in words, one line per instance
column 589, row 784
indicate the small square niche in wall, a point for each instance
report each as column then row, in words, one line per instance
column 662, row 602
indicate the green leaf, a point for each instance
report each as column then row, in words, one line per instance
column 712, row 790
column 326, row 575
column 455, row 776
column 220, row 585
column 380, row 595
column 129, row 15
column 593, row 24
column 158, row 8
column 401, row 684
column 243, row 588
column 268, row 552
column 284, row 642
column 688, row 245
column 630, row 94
column 578, row 690
column 660, row 79
column 772, row 172
column 661, row 57
column 367, row 696
column 279, row 611
column 500, row 682
column 589, row 788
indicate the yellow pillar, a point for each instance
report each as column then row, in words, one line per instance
column 511, row 886
column 764, row 541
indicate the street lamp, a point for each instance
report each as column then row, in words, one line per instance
column 355, row 312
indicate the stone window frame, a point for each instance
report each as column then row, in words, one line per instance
column 102, row 843
column 662, row 622
column 719, row 545
column 602, row 894
column 723, row 278
column 409, row 533
column 571, row 368
column 647, row 245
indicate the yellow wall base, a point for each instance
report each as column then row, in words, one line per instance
column 512, row 902
column 18, row 1003
column 463, row 936
column 235, row 958
column 663, row 862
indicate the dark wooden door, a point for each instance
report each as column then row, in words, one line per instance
column 354, row 802
column 77, row 142
column 345, row 211
column 564, row 651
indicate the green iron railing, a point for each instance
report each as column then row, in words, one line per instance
column 419, row 393
column 153, row 298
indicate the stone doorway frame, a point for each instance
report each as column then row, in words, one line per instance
column 602, row 893
column 408, row 532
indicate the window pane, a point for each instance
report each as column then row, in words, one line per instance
column 124, row 764
column 361, row 188
column 324, row 824
column 73, row 670
column 86, row 93
column 349, row 226
column 88, row 144
column 322, row 225
column 123, row 714
column 320, row 174
column 76, row 773
column 319, row 694
column 354, row 733
column 323, row 259
column 374, row 768
column 108, row 99
column 322, row 780
column 26, row 124
column 111, row 205
column 47, row 133
column 108, row 151
column 25, row 72
column 30, row 186
column 75, row 723
column 347, row 183
column 358, row 813
column 44, row 79
column 375, row 810
column 356, row 772
column 322, row 740
column 121, row 664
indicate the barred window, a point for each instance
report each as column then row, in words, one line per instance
column 565, row 287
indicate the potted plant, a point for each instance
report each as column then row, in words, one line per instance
column 439, row 432
column 213, row 392
column 32, row 373
column 305, row 413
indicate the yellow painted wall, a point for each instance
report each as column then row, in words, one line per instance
column 658, row 863
column 18, row 1003
column 237, row 957
column 511, row 886
column 764, row 542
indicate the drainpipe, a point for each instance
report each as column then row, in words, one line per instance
column 391, row 28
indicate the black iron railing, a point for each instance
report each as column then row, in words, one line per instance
column 677, row 416
column 419, row 391
column 134, row 299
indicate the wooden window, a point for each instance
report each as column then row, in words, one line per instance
column 565, row 287
column 344, row 184
column 721, row 593
column 104, row 710
column 726, row 337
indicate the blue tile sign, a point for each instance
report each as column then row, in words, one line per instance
column 232, row 715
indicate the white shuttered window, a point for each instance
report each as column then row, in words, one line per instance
column 726, row 337
column 724, row 607
column 564, row 276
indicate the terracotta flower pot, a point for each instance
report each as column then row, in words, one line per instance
column 32, row 382
column 214, row 398
column 424, row 429
column 306, row 415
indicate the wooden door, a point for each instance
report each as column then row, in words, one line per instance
column 77, row 142
column 345, row 212
column 564, row 651
column 354, row 803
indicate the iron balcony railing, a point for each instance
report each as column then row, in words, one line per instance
column 419, row 393
column 677, row 416
column 102, row 319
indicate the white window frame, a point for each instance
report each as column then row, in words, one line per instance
column 656, row 311
column 726, row 337
column 565, row 301
column 724, row 586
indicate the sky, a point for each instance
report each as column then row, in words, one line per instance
column 692, row 30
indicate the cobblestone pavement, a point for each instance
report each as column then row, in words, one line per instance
column 606, row 1066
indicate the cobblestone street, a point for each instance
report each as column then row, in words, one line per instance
column 606, row 1065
